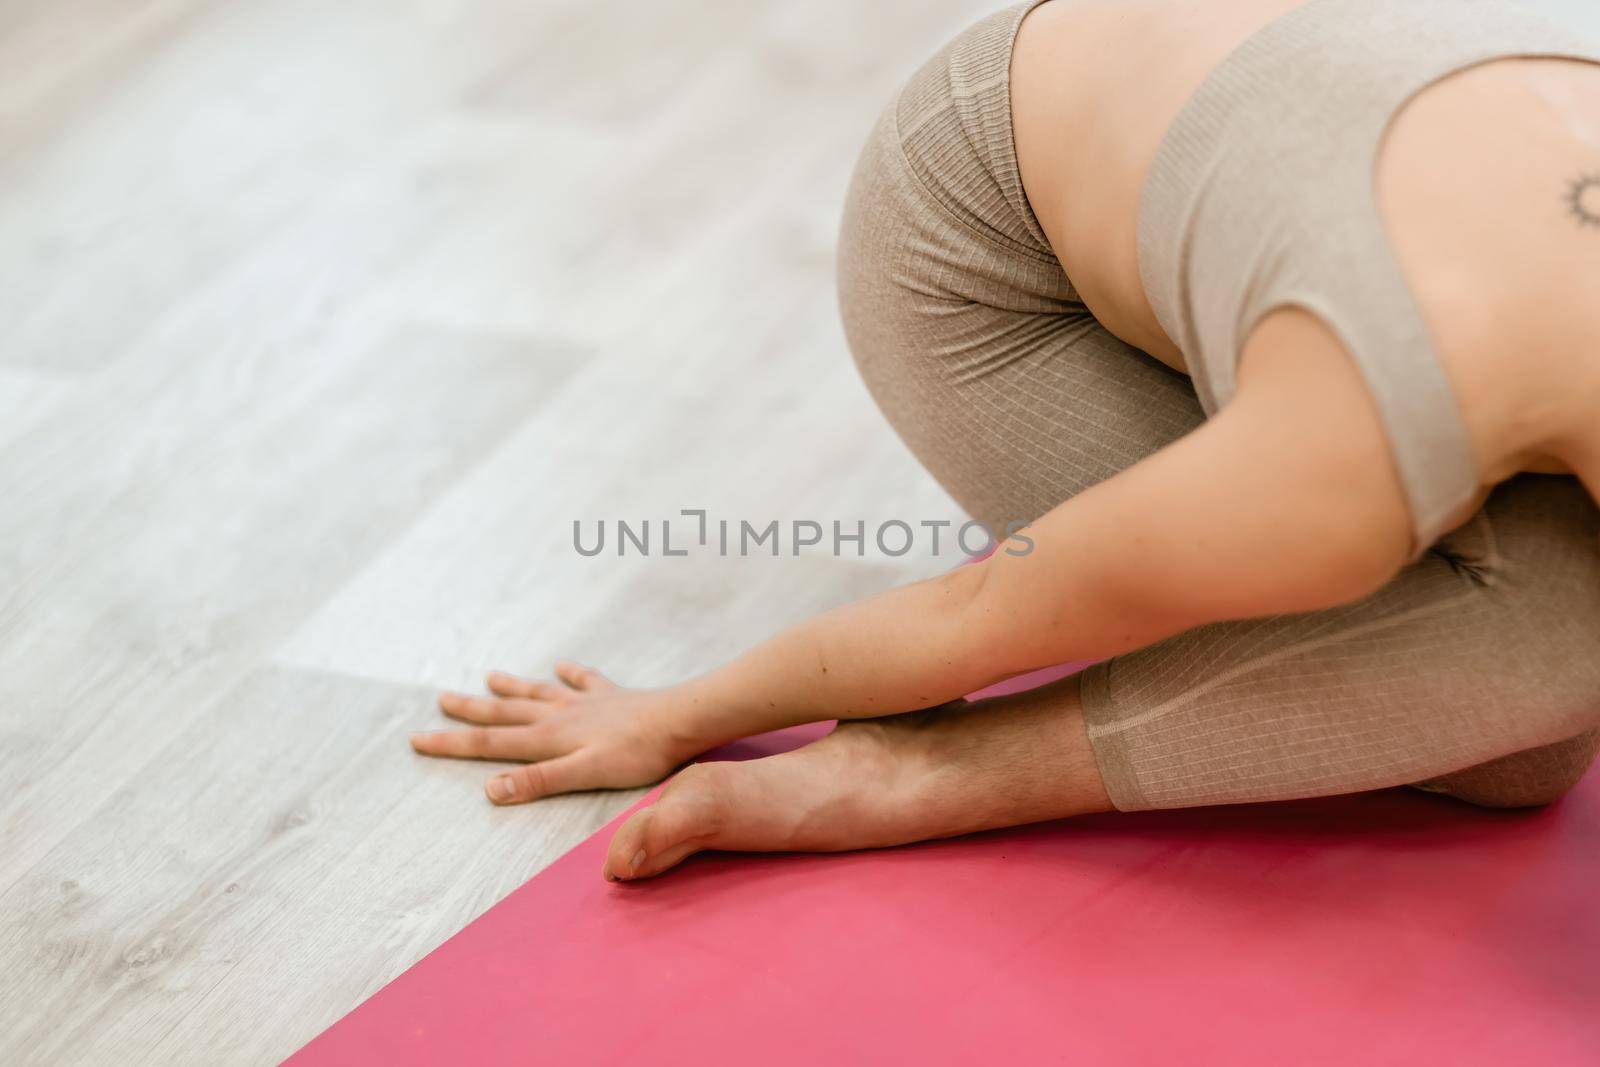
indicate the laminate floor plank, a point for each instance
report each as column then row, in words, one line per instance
column 257, row 848
column 191, row 578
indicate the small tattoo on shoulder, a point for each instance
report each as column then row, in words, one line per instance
column 1583, row 199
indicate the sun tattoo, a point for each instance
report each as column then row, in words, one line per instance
column 1583, row 198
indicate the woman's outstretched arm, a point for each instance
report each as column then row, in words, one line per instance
column 1285, row 502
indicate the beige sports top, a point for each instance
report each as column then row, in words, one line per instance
column 1262, row 195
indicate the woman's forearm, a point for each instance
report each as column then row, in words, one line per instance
column 1246, row 517
column 910, row 647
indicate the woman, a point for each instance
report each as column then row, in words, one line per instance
column 1357, row 549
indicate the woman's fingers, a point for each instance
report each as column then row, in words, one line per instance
column 509, row 685
column 487, row 742
column 564, row 774
column 490, row 711
column 574, row 675
column 519, row 723
column 580, row 677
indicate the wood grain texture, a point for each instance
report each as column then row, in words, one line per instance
column 319, row 326
column 256, row 850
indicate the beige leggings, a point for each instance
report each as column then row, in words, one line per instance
column 1476, row 671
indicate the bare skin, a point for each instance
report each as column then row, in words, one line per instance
column 1482, row 183
column 871, row 783
column 878, row 782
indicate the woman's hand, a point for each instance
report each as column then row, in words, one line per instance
column 580, row 732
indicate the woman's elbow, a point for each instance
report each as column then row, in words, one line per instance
column 1329, row 566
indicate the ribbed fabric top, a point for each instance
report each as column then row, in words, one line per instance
column 1262, row 196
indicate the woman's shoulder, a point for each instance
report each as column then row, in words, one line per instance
column 1485, row 184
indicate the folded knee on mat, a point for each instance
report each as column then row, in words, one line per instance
column 1527, row 779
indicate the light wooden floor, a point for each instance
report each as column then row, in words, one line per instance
column 319, row 324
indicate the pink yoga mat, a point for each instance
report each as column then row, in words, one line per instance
column 1387, row 928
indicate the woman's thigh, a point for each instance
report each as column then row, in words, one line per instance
column 1487, row 647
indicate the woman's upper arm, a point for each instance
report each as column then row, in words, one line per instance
column 1286, row 501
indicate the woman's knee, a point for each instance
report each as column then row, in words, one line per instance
column 1485, row 653
column 1530, row 778
column 1535, row 551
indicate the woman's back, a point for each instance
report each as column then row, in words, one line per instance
column 1483, row 182
column 1095, row 84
